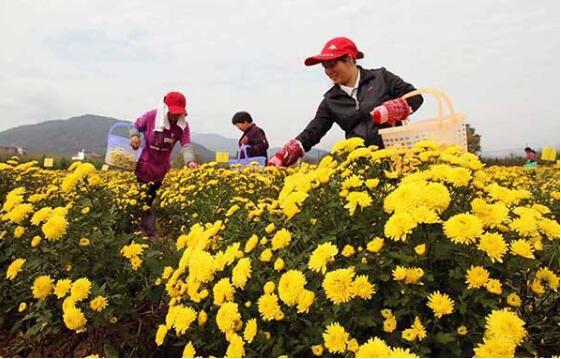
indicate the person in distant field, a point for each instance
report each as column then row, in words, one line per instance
column 360, row 101
column 530, row 158
column 253, row 138
column 162, row 127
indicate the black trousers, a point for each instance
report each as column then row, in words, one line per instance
column 153, row 187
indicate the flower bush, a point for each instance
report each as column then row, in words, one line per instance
column 391, row 253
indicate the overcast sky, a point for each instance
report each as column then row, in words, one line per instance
column 498, row 60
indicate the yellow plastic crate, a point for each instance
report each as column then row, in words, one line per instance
column 549, row 154
column 48, row 162
column 222, row 157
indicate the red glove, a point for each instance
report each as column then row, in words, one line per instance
column 289, row 154
column 391, row 111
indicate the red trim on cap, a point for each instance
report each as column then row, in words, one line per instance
column 334, row 49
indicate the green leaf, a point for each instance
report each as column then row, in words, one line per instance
column 444, row 338
column 110, row 351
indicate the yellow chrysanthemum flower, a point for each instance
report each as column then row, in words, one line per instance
column 513, row 300
column 236, row 347
column 98, row 304
column 161, row 334
column 549, row 228
column 19, row 213
column 62, row 287
column 80, row 289
column 14, row 268
column 321, row 256
column 495, row 347
column 493, row 245
column 375, row 245
column 251, row 243
column 357, row 199
column 441, row 304
column 269, row 287
column 250, row 330
column 317, row 350
column 335, row 338
column 269, row 308
column 374, row 348
column 490, row 215
column 505, row 324
column 133, row 250
column 522, row 248
column 228, row 318
column 362, row 288
column 305, row 301
column 291, row 285
column 74, row 318
column 189, row 351
column 223, row 291
column 338, row 285
column 476, row 277
column 241, row 273
column 348, row 145
column 399, row 226
column 266, row 255
column 184, row 317
column 55, row 227
column 42, row 287
column 281, row 239
column 41, row 215
column 279, row 264
column 390, row 324
column 201, row 266
column 494, row 286
column 463, row 228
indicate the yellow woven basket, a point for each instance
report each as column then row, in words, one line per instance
column 448, row 130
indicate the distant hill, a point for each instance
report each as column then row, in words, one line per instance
column 67, row 137
column 216, row 143
column 89, row 132
column 61, row 137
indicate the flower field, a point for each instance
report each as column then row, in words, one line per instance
column 371, row 253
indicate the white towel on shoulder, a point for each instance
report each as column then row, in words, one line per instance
column 162, row 121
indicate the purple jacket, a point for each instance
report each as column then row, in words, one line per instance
column 155, row 160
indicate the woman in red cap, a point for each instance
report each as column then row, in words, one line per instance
column 361, row 101
column 162, row 128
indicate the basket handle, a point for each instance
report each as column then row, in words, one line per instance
column 242, row 150
column 439, row 94
column 119, row 124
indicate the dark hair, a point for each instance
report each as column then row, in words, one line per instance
column 528, row 149
column 347, row 58
column 241, row 116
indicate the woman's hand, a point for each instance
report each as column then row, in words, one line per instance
column 193, row 165
column 289, row 154
column 391, row 111
column 135, row 142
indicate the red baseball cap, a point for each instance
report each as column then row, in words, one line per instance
column 334, row 49
column 176, row 103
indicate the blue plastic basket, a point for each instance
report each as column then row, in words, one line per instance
column 246, row 161
column 119, row 152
